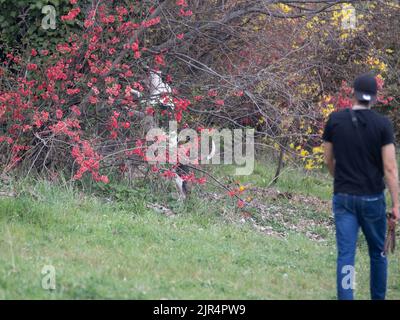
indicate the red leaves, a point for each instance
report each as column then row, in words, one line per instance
column 184, row 13
column 159, row 59
column 93, row 99
column 238, row 93
column 139, row 150
column 40, row 118
column 114, row 122
column 57, row 72
column 135, row 48
column 181, row 105
column 72, row 14
column 32, row 67
column 126, row 125
column 151, row 22
column 82, row 72
column 138, row 86
column 181, row 3
column 150, row 111
column 169, row 174
column 121, row 11
column 202, row 180
column 73, row 91
column 114, row 90
column 380, row 82
column 212, row 93
column 88, row 160
column 88, row 23
column 59, row 114
column 9, row 140
column 107, row 19
column 76, row 110
column 240, row 203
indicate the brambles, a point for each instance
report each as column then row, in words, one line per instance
column 82, row 103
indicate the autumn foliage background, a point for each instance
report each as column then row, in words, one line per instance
column 280, row 67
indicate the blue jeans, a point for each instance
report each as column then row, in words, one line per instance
column 352, row 212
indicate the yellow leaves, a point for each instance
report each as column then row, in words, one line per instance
column 377, row 64
column 309, row 165
column 308, row 89
column 346, row 19
column 262, row 17
column 316, row 160
column 327, row 110
column 284, row 8
column 312, row 23
column 317, row 150
column 312, row 159
column 389, row 51
column 347, row 12
column 344, row 35
column 304, row 153
column 380, row 77
column 336, row 17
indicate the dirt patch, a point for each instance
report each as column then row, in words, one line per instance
column 276, row 213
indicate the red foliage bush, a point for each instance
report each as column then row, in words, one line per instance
column 68, row 104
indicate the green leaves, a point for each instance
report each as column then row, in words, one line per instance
column 20, row 23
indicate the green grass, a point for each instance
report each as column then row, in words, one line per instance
column 291, row 179
column 117, row 248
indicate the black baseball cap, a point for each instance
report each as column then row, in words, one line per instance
column 365, row 88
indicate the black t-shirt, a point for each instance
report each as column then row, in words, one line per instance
column 358, row 169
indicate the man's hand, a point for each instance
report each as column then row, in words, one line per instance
column 395, row 217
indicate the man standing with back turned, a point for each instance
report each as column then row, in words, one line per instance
column 360, row 155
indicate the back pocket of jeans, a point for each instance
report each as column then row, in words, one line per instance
column 373, row 208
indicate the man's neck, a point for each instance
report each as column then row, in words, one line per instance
column 359, row 107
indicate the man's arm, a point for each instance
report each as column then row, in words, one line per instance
column 391, row 175
column 329, row 157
